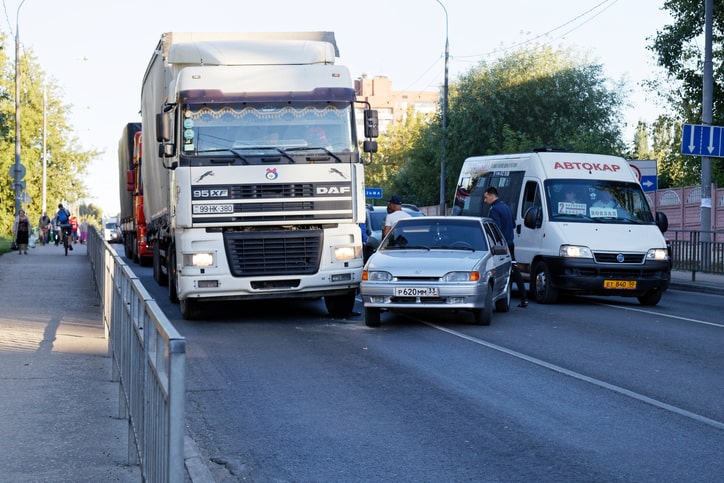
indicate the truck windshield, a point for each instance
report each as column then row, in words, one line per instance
column 597, row 201
column 284, row 126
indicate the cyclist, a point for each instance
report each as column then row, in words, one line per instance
column 62, row 218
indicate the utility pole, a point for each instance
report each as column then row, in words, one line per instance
column 18, row 167
column 444, row 116
column 706, row 120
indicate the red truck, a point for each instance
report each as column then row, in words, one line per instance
column 133, row 221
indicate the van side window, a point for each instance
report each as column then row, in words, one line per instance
column 531, row 197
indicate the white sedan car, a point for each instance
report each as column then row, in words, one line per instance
column 441, row 263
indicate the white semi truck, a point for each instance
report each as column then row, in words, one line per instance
column 254, row 182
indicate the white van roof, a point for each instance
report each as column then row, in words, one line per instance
column 556, row 165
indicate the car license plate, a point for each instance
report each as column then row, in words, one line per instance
column 415, row 291
column 620, row 284
column 213, row 209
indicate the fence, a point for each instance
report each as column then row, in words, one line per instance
column 682, row 207
column 149, row 363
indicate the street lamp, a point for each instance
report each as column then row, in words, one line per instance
column 18, row 166
column 444, row 117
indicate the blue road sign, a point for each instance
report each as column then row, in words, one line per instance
column 373, row 193
column 700, row 140
column 650, row 183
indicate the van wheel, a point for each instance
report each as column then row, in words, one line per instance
column 652, row 297
column 543, row 291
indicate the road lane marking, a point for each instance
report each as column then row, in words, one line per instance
column 597, row 382
column 650, row 312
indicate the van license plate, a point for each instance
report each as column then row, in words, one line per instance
column 620, row 284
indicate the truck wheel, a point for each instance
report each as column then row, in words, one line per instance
column 372, row 316
column 190, row 309
column 542, row 289
column 172, row 277
column 127, row 247
column 339, row 305
column 134, row 247
column 652, row 297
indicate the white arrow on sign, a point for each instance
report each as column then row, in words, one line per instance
column 692, row 146
column 711, row 140
column 648, row 184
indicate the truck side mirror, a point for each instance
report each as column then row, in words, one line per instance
column 369, row 146
column 163, row 127
column 371, row 123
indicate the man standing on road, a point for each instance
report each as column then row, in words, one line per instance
column 503, row 217
column 394, row 214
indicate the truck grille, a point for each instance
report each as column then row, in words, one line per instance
column 277, row 252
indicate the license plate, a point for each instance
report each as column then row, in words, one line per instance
column 415, row 291
column 620, row 284
column 212, row 209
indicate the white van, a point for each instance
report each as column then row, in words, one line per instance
column 582, row 223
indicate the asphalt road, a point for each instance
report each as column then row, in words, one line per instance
column 592, row 389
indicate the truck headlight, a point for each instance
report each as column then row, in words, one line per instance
column 198, row 259
column 575, row 251
column 657, row 254
column 346, row 253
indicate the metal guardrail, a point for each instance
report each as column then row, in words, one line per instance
column 691, row 254
column 149, row 362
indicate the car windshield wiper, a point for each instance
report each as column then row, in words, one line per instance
column 459, row 247
column 406, row 247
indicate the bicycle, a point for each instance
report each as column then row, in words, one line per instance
column 66, row 238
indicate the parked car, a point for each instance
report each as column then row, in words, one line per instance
column 375, row 221
column 111, row 232
column 440, row 263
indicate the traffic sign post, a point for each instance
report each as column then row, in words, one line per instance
column 647, row 173
column 700, row 140
column 375, row 193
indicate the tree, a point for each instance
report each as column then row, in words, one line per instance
column 527, row 99
column 679, row 51
column 66, row 164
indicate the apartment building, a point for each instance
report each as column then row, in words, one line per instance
column 392, row 105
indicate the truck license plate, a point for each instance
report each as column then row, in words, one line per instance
column 415, row 291
column 213, row 209
column 620, row 284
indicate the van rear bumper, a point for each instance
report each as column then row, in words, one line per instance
column 587, row 276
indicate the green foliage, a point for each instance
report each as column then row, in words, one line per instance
column 530, row 98
column 679, row 50
column 66, row 164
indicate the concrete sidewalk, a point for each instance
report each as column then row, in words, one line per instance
column 59, row 407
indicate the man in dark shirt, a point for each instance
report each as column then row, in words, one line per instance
column 503, row 217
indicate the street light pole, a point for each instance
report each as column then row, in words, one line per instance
column 45, row 147
column 16, row 177
column 444, row 116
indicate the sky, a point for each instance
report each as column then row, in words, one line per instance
column 97, row 51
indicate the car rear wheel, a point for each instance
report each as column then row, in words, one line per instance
column 503, row 304
column 372, row 316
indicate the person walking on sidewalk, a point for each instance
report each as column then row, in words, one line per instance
column 21, row 230
column 503, row 217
